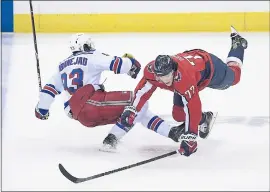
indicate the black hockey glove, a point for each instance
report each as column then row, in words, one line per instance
column 135, row 69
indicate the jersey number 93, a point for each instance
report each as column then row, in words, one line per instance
column 76, row 77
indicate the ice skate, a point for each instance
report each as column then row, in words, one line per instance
column 109, row 143
column 176, row 132
column 206, row 126
column 237, row 39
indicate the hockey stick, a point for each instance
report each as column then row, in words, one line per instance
column 80, row 180
column 35, row 44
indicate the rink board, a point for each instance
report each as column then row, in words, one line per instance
column 144, row 22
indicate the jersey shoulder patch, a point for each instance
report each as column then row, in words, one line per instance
column 149, row 71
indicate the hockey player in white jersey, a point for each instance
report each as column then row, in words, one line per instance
column 77, row 78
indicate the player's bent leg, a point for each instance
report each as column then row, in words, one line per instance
column 179, row 115
column 229, row 74
column 148, row 120
column 118, row 131
column 153, row 122
column 160, row 126
column 79, row 98
column 99, row 107
column 224, row 76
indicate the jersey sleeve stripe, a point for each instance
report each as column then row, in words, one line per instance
column 52, row 90
column 112, row 63
column 48, row 92
column 119, row 66
column 116, row 65
column 146, row 88
column 52, row 86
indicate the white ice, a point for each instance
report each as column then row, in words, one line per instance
column 234, row 157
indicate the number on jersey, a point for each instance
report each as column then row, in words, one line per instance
column 190, row 92
column 191, row 59
column 76, row 77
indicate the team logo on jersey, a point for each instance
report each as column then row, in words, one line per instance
column 177, row 76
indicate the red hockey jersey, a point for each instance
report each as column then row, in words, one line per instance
column 193, row 74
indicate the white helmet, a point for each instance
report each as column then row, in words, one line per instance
column 81, row 42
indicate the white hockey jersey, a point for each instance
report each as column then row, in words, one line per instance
column 78, row 70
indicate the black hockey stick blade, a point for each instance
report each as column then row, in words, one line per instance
column 80, row 180
column 67, row 174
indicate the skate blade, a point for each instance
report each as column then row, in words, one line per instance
column 233, row 30
column 215, row 114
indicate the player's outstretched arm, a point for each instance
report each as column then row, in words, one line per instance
column 47, row 95
column 126, row 64
column 193, row 111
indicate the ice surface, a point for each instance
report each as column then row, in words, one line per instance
column 234, row 157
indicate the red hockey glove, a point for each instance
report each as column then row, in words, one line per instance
column 188, row 144
column 128, row 116
column 42, row 114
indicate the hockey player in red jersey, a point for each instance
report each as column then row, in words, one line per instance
column 186, row 74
